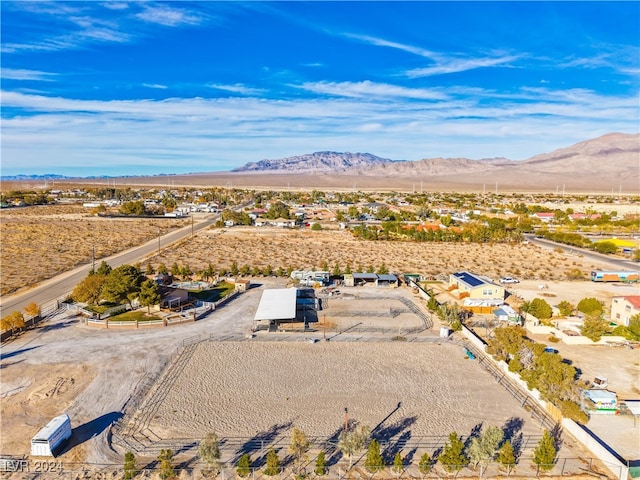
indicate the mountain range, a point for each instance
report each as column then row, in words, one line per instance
column 615, row 151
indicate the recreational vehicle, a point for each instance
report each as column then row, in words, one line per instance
column 51, row 437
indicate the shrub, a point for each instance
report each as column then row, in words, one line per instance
column 321, row 464
column 589, row 305
column 243, row 468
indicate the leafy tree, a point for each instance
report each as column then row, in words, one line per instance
column 383, row 269
column 13, row 321
column 175, row 270
column 89, row 290
column 506, row 457
column 566, row 308
column 398, row 463
column 186, row 271
column 129, row 466
column 278, row 210
column 544, row 455
column 104, row 268
column 33, row 310
column 243, row 468
column 425, row 464
column 149, row 294
column 267, row 271
column 256, row 271
column 165, row 459
column 149, row 270
column 299, row 446
column 162, row 269
column 453, row 457
column 273, row 463
column 321, row 464
column 483, row 448
column 316, row 226
column 594, row 327
column 209, row 451
column 539, row 308
column 234, row 269
column 336, row 272
column 374, row 461
column 589, row 305
column 605, row 247
column 351, row 442
column 122, row 284
column 132, row 208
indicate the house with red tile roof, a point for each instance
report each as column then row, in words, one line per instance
column 623, row 308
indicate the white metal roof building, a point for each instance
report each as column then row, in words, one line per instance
column 277, row 304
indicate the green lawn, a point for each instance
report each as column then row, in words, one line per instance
column 214, row 294
column 135, row 315
column 103, row 307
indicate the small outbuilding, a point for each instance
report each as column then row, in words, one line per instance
column 604, row 401
column 507, row 314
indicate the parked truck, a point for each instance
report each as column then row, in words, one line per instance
column 614, row 276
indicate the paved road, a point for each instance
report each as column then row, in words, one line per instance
column 62, row 284
column 616, row 263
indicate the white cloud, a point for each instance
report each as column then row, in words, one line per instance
column 237, row 88
column 367, row 89
column 460, row 65
column 380, row 42
column 168, row 16
column 204, row 134
column 22, row 74
column 155, row 85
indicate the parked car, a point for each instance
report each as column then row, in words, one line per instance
column 509, row 280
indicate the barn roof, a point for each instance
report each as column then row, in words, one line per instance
column 277, row 304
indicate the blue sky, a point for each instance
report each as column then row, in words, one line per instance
column 93, row 88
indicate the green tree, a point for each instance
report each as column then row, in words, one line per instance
column 122, row 284
column 589, row 305
column 321, row 464
column 593, row 327
column 506, row 457
column 483, row 448
column 162, row 269
column 89, row 289
column 129, row 466
column 374, row 461
column 425, row 464
column 132, row 208
column 234, row 269
column 243, row 468
column 175, row 270
column 149, row 294
column 316, row 226
column 544, row 455
column 605, row 247
column 209, row 452
column 353, row 441
column 149, row 270
column 383, row 270
column 165, row 459
column 299, row 446
column 13, row 321
column 566, row 308
column 273, row 463
column 104, row 268
column 539, row 308
column 398, row 463
column 453, row 457
column 278, row 210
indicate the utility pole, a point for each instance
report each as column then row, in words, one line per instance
column 346, row 419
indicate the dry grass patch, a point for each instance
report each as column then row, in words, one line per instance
column 41, row 242
column 304, row 249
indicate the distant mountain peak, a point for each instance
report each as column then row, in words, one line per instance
column 316, row 162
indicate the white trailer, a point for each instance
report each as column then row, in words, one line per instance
column 51, row 437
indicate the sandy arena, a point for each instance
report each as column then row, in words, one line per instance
column 245, row 388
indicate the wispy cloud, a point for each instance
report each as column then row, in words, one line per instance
column 455, row 65
column 22, row 74
column 238, row 88
column 368, row 89
column 380, row 42
column 155, row 85
column 475, row 123
column 168, row 16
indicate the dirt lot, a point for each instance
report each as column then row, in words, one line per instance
column 41, row 242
